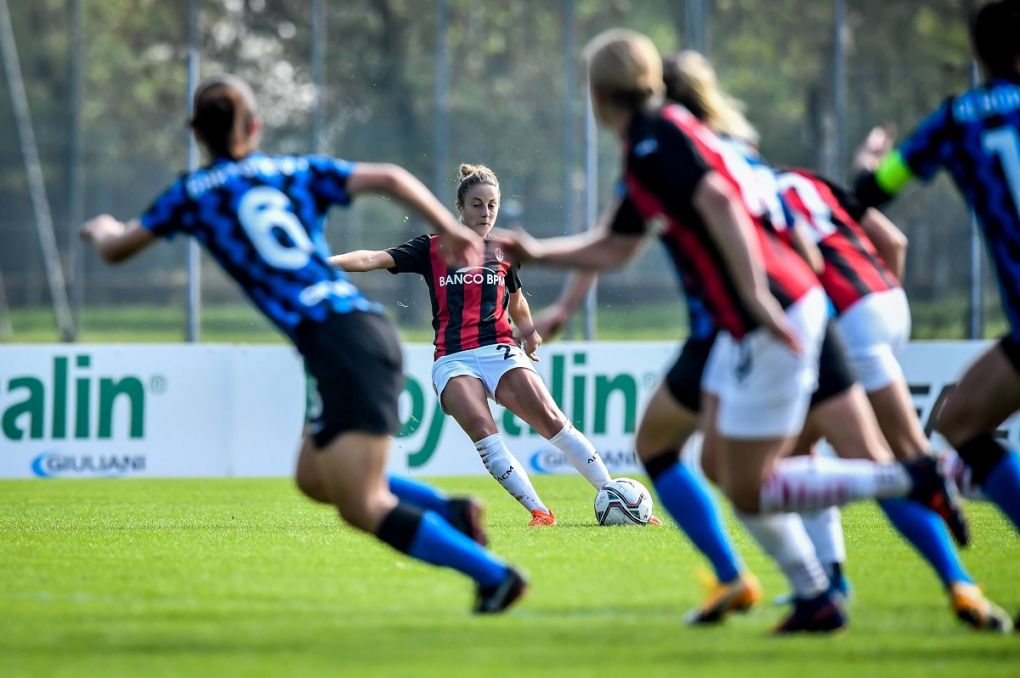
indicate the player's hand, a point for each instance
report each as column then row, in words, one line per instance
column 461, row 246
column 782, row 329
column 99, row 228
column 875, row 146
column 517, row 244
column 530, row 344
column 550, row 321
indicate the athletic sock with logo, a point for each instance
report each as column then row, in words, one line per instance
column 508, row 471
column 825, row 530
column 582, row 455
column 426, row 536
column 420, row 494
column 923, row 528
column 812, row 483
column 782, row 536
column 689, row 500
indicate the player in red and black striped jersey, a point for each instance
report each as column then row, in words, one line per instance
column 470, row 304
column 477, row 355
column 710, row 212
column 873, row 321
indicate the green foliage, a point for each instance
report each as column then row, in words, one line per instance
column 244, row 577
column 506, row 100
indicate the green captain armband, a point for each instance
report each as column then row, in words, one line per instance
column 893, row 173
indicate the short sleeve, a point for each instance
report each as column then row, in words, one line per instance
column 668, row 166
column 923, row 151
column 513, row 279
column 329, row 177
column 169, row 213
column 626, row 220
column 412, row 257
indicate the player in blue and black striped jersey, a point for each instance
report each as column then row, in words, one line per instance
column 261, row 217
column 975, row 136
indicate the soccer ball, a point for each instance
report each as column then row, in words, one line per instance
column 623, row 501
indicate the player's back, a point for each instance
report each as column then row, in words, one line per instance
column 261, row 218
column 976, row 137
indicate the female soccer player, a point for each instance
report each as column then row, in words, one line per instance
column 477, row 356
column 261, row 218
column 702, row 198
column 976, row 137
column 872, row 319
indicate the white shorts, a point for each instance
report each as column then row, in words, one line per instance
column 763, row 387
column 875, row 331
column 488, row 364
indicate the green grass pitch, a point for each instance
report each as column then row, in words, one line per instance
column 245, row 577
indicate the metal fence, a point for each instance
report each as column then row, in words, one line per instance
column 428, row 84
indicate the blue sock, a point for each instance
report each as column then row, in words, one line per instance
column 689, row 500
column 421, row 495
column 1002, row 485
column 925, row 530
column 439, row 543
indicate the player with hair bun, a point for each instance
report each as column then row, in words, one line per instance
column 261, row 217
column 477, row 357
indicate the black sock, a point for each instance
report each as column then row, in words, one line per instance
column 400, row 526
column 982, row 453
column 661, row 462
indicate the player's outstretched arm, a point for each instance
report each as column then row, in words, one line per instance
column 359, row 261
column 597, row 250
column 733, row 233
column 463, row 245
column 114, row 240
column 889, row 240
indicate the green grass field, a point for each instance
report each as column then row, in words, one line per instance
column 245, row 577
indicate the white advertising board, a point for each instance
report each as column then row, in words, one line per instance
column 221, row 410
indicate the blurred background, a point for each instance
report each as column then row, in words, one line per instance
column 429, row 84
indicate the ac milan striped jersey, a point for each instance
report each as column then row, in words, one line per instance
column 853, row 268
column 668, row 154
column 469, row 305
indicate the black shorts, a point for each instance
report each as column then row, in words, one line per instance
column 684, row 378
column 355, row 366
column 834, row 373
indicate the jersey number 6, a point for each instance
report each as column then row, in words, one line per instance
column 274, row 229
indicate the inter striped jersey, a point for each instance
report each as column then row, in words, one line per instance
column 469, row 304
column 261, row 218
column 853, row 268
column 975, row 136
column 668, row 154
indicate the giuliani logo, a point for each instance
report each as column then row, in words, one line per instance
column 52, row 464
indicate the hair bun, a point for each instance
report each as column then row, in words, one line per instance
column 467, row 170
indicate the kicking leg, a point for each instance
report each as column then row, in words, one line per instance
column 522, row 392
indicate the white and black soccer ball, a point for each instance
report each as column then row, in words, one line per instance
column 623, row 501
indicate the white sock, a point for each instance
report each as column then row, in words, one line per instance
column 825, row 529
column 582, row 455
column 958, row 471
column 508, row 471
column 812, row 483
column 782, row 536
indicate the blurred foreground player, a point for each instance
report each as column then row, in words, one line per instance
column 261, row 218
column 975, row 136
